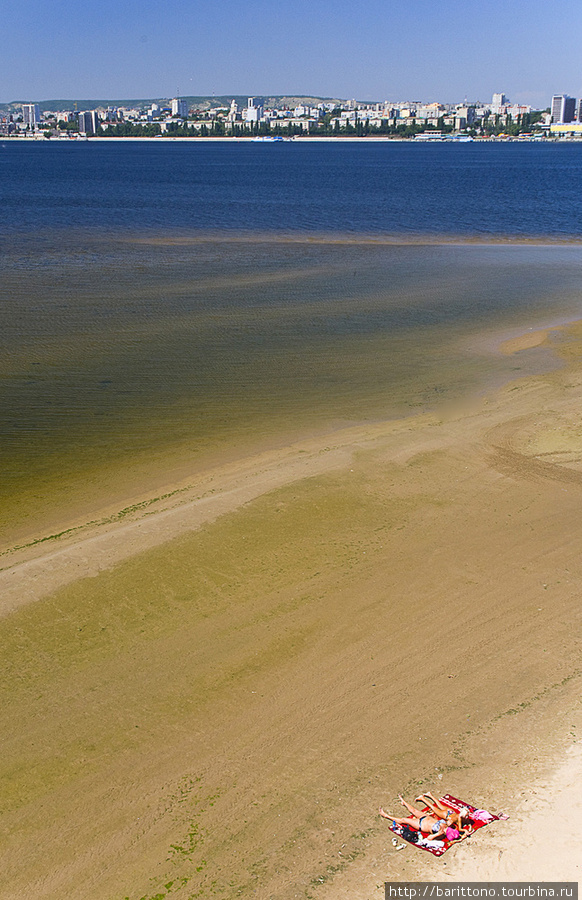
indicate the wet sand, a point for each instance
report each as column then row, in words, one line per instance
column 211, row 696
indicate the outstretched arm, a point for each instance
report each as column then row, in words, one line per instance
column 463, row 833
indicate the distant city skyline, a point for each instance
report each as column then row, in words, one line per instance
column 411, row 49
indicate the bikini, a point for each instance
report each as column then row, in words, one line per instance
column 435, row 827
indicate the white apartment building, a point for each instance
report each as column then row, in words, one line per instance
column 517, row 110
column 498, row 103
column 304, row 124
column 30, row 114
column 563, row 108
column 430, row 111
column 254, row 110
column 464, row 114
column 180, row 107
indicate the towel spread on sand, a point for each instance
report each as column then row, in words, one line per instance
column 478, row 817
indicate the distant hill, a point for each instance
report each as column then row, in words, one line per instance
column 202, row 102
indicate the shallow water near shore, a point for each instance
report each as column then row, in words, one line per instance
column 120, row 352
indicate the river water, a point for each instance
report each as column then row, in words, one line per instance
column 167, row 305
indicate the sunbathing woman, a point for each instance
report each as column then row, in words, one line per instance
column 425, row 823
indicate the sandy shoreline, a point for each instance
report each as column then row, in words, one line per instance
column 234, row 679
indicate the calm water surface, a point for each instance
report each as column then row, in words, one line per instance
column 165, row 304
column 358, row 187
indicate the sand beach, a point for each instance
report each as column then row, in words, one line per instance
column 211, row 694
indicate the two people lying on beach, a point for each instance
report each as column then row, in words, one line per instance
column 441, row 823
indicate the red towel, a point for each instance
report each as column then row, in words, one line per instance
column 453, row 803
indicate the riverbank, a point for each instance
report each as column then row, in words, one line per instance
column 266, row 139
column 214, row 696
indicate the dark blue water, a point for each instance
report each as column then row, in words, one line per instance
column 362, row 187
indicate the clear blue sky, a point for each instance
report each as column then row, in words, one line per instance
column 372, row 49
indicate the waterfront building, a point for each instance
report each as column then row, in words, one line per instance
column 88, row 121
column 7, row 125
column 563, row 108
column 254, row 110
column 304, row 124
column 430, row 111
column 518, row 109
column 30, row 114
column 169, row 124
column 567, row 130
column 466, row 113
column 180, row 107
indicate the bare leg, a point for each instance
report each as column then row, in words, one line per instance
column 431, row 797
column 436, row 810
column 437, row 803
column 411, row 809
column 412, row 821
column 437, row 807
column 406, row 820
column 409, row 820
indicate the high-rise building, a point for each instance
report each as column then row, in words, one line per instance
column 498, row 101
column 88, row 122
column 180, row 107
column 255, row 109
column 563, row 108
column 31, row 114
